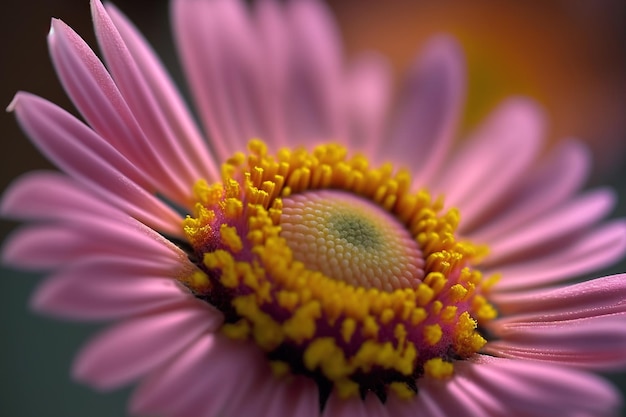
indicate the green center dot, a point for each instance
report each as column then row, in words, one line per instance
column 351, row 239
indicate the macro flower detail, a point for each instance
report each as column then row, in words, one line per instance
column 363, row 310
column 314, row 254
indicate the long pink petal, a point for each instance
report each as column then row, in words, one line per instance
column 166, row 385
column 315, row 89
column 595, row 297
column 111, row 288
column 201, row 381
column 545, row 231
column 402, row 407
column 340, row 407
column 597, row 342
column 450, row 397
column 51, row 246
column 216, row 46
column 92, row 90
column 280, row 397
column 154, row 116
column 167, row 95
column 599, row 248
column 274, row 43
column 490, row 403
column 535, row 389
column 40, row 248
column 557, row 177
column 80, row 152
column 430, row 110
column 368, row 97
column 127, row 351
column 495, row 158
column 48, row 195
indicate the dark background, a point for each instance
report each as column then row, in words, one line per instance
column 567, row 54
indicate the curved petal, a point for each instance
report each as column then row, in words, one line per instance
column 49, row 195
column 403, row 407
column 168, row 96
column 595, row 297
column 154, row 115
column 535, row 389
column 51, row 246
column 496, row 157
column 217, row 49
column 315, row 67
column 279, row 397
column 557, row 177
column 111, row 288
column 94, row 93
column 38, row 248
column 429, row 111
column 490, row 404
column 599, row 248
column 559, row 224
column 80, row 152
column 344, row 407
column 126, row 351
column 201, row 381
column 368, row 97
column 451, row 398
column 596, row 342
column 295, row 96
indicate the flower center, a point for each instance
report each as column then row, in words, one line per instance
column 350, row 239
column 336, row 270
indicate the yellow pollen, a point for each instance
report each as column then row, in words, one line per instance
column 337, row 270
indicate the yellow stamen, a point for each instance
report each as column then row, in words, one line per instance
column 335, row 329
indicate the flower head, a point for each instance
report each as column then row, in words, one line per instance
column 330, row 259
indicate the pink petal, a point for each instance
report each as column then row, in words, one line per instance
column 42, row 247
column 167, row 95
column 431, row 404
column 315, row 63
column 451, row 398
column 137, row 346
column 216, row 46
column 171, row 383
column 274, row 42
column 95, row 94
column 597, row 342
column 489, row 403
column 52, row 246
column 52, row 196
column 154, row 115
column 401, row 407
column 368, row 96
column 535, row 389
column 202, row 380
column 430, row 110
column 560, row 223
column 598, row 248
column 349, row 407
column 83, row 154
column 278, row 397
column 111, row 288
column 595, row 297
column 374, row 407
column 493, row 160
column 559, row 175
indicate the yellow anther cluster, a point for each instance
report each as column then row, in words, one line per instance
column 403, row 332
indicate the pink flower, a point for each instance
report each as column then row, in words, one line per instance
column 315, row 280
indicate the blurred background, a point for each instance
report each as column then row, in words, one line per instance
column 567, row 54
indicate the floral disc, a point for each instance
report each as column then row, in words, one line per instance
column 336, row 270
